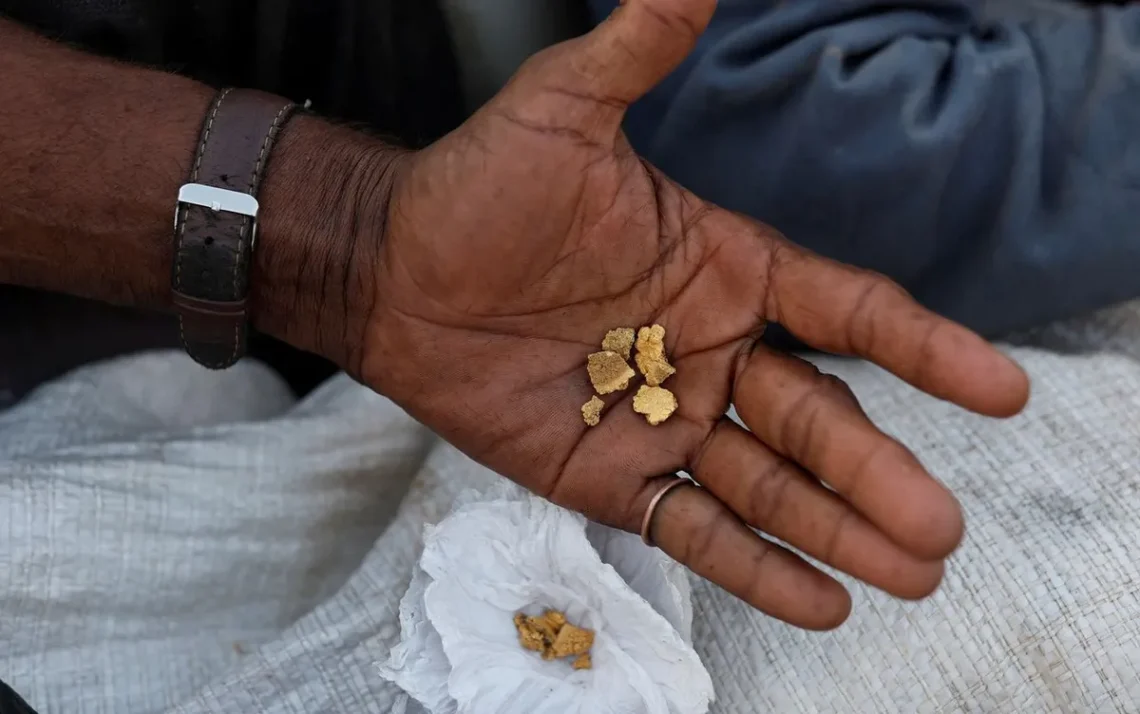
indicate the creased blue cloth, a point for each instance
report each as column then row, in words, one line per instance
column 985, row 155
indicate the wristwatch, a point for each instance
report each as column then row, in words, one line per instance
column 215, row 224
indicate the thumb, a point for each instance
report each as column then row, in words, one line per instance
column 597, row 76
column 640, row 43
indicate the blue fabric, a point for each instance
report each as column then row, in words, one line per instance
column 985, row 155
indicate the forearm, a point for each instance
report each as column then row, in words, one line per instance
column 989, row 164
column 92, row 154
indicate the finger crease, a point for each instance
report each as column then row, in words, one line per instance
column 754, row 593
column 699, row 548
column 858, row 476
column 861, row 325
column 836, row 536
column 768, row 492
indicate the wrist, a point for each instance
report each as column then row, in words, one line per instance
column 323, row 204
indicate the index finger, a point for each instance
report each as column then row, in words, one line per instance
column 841, row 309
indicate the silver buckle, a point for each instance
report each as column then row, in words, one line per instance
column 219, row 199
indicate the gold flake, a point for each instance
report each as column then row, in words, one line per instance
column 651, row 358
column 592, row 411
column 656, row 403
column 619, row 340
column 608, row 372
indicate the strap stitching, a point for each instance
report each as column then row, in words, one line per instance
column 273, row 128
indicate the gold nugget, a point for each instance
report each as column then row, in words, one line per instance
column 556, row 620
column 553, row 637
column 656, row 403
column 530, row 637
column 572, row 641
column 537, row 634
column 651, row 358
column 592, row 411
column 620, row 341
column 608, row 372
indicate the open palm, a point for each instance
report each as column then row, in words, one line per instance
column 515, row 243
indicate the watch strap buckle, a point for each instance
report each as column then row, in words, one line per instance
column 215, row 224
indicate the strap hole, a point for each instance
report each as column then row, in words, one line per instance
column 209, row 240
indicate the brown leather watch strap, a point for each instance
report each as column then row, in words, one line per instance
column 215, row 231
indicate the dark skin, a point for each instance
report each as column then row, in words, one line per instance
column 468, row 282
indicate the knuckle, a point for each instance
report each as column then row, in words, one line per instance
column 745, row 371
column 768, row 492
column 701, row 543
column 778, row 242
column 843, row 390
column 863, row 467
column 672, row 20
column 835, row 382
column 924, row 356
column 777, row 260
column 835, row 538
column 756, row 590
column 801, row 422
column 810, row 431
column 704, row 447
column 861, row 322
column 535, row 67
column 876, row 295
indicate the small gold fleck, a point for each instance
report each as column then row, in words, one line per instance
column 608, row 372
column 592, row 411
column 583, row 662
column 656, row 403
column 651, row 358
column 619, row 340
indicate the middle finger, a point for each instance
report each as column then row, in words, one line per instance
column 812, row 419
column 775, row 496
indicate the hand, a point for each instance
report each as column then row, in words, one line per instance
column 515, row 243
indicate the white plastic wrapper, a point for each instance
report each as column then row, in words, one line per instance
column 459, row 651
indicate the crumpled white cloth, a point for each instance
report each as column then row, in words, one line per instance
column 174, row 540
column 505, row 551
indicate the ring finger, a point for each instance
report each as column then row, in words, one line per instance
column 690, row 525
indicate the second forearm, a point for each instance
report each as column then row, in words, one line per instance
column 92, row 154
